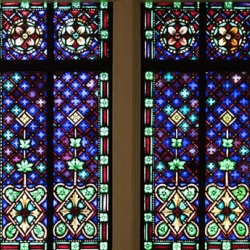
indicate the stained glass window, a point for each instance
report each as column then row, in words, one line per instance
column 227, row 145
column 81, row 157
column 55, row 126
column 24, row 31
column 171, row 154
column 24, row 160
column 228, row 31
column 81, row 31
column 171, row 33
column 196, row 148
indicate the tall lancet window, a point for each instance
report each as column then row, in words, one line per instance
column 55, row 126
column 196, row 147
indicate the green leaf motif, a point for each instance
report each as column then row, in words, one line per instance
column 176, row 143
column 61, row 229
column 89, row 229
column 103, row 246
column 163, row 193
column 176, row 246
column 212, row 229
column 38, row 194
column 240, row 193
column 38, row 230
column 75, row 245
column 148, row 217
column 148, row 245
column 88, row 193
column 11, row 231
column 226, row 245
column 241, row 229
column 11, row 194
column 176, row 164
column 163, row 229
column 75, row 164
column 24, row 144
column 24, row 166
column 227, row 143
column 62, row 192
column 214, row 192
column 190, row 193
column 75, row 142
column 191, row 229
column 227, row 164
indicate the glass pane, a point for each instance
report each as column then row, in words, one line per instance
column 227, row 159
column 23, row 162
column 81, row 31
column 81, row 159
column 24, row 31
column 171, row 31
column 227, row 33
column 171, row 160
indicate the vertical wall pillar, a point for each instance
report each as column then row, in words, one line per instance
column 126, row 125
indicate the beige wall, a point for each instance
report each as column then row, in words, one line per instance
column 126, row 125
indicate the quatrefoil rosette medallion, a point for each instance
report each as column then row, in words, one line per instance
column 227, row 210
column 25, row 212
column 75, row 210
column 25, row 36
column 75, row 35
column 177, row 210
column 177, row 36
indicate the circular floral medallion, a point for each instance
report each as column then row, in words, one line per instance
column 177, row 36
column 74, row 35
column 228, row 36
column 25, row 36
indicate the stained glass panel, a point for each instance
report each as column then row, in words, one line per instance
column 81, row 31
column 219, row 216
column 59, row 200
column 24, row 31
column 171, row 31
column 81, row 159
column 171, row 160
column 23, row 162
column 228, row 157
column 227, row 31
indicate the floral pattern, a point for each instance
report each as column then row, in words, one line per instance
column 25, row 36
column 227, row 203
column 24, row 212
column 227, row 210
column 228, row 36
column 176, row 210
column 74, row 36
column 177, row 36
column 75, row 211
